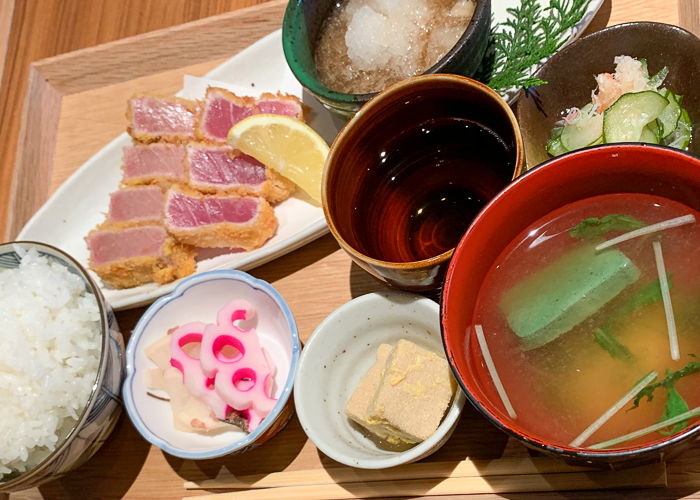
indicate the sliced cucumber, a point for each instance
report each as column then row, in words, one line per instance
column 649, row 136
column 627, row 117
column 555, row 147
column 680, row 137
column 668, row 119
column 656, row 80
column 655, row 128
column 584, row 131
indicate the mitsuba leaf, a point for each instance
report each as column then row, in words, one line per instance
column 675, row 405
column 610, row 344
column 595, row 227
column 668, row 381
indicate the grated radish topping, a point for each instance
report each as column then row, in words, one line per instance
column 613, row 410
column 668, row 307
column 653, row 228
column 492, row 371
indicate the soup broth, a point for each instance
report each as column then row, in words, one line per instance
column 561, row 387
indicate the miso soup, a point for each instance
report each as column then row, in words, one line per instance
column 572, row 329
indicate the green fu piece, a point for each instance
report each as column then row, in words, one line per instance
column 550, row 302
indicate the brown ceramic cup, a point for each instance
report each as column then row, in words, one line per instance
column 406, row 176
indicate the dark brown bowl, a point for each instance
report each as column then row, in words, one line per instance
column 366, row 163
column 301, row 29
column 571, row 72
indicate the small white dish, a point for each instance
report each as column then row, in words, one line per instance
column 199, row 298
column 339, row 353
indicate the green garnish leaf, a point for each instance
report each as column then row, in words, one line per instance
column 668, row 381
column 529, row 35
column 595, row 227
column 675, row 405
column 610, row 344
column 648, row 294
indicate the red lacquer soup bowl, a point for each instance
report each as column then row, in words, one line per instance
column 609, row 169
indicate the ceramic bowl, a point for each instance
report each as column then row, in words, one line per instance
column 629, row 168
column 103, row 407
column 336, row 357
column 571, row 71
column 301, row 27
column 375, row 175
column 199, row 298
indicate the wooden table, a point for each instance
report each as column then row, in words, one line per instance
column 77, row 106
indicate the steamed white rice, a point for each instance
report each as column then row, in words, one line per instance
column 48, row 360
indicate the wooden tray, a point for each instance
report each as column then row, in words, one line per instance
column 78, row 106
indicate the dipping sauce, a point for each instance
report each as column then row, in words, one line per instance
column 367, row 45
column 428, row 184
column 561, row 382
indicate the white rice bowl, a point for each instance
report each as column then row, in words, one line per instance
column 49, row 359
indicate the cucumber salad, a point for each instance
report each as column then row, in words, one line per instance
column 628, row 106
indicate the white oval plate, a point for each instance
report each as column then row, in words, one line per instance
column 80, row 203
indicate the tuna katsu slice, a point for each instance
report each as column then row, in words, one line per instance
column 224, row 170
column 136, row 204
column 280, row 104
column 213, row 221
column 222, row 110
column 125, row 257
column 169, row 119
column 160, row 164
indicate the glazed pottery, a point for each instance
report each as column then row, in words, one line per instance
column 628, row 168
column 570, row 76
column 301, row 27
column 376, row 175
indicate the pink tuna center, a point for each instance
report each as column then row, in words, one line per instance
column 159, row 116
column 279, row 108
column 109, row 246
column 228, row 349
column 244, row 379
column 136, row 204
column 222, row 115
column 185, row 211
column 221, row 167
column 154, row 160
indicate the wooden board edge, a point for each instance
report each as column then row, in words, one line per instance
column 7, row 10
column 689, row 15
column 204, row 40
column 35, row 148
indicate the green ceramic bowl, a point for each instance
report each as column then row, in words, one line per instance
column 303, row 20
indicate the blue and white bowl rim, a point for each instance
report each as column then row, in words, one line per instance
column 143, row 322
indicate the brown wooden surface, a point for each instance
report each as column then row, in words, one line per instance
column 82, row 97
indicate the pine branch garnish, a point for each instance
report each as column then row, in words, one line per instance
column 530, row 34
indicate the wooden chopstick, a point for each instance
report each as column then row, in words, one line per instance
column 648, row 476
column 424, row 470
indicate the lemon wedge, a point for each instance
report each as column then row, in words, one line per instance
column 286, row 144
